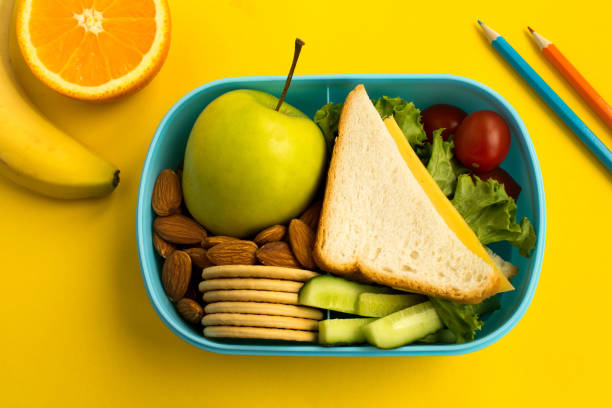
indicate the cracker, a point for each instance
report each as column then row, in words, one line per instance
column 277, row 285
column 259, row 333
column 254, row 320
column 264, row 309
column 257, row 271
column 268, row 296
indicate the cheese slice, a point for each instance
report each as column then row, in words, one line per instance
column 441, row 203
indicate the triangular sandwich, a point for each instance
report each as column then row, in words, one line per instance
column 385, row 220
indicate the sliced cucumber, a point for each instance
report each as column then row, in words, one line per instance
column 403, row 327
column 342, row 331
column 382, row 304
column 334, row 293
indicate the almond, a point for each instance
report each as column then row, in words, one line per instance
column 270, row 234
column 179, row 229
column 190, row 310
column 167, row 194
column 277, row 254
column 176, row 274
column 311, row 215
column 219, row 239
column 198, row 257
column 302, row 241
column 163, row 248
column 233, row 253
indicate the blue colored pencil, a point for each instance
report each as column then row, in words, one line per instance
column 550, row 97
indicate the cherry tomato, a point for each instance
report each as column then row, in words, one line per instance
column 482, row 141
column 442, row 116
column 510, row 185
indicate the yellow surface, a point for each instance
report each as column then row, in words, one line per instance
column 78, row 329
column 449, row 214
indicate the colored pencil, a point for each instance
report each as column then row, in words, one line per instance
column 580, row 84
column 549, row 96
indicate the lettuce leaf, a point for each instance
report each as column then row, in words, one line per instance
column 491, row 213
column 463, row 320
column 441, row 336
column 441, row 165
column 488, row 305
column 407, row 116
column 327, row 118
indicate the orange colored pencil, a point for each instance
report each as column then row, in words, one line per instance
column 588, row 93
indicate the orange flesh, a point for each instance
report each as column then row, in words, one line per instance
column 91, row 42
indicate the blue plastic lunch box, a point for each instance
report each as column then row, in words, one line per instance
column 308, row 93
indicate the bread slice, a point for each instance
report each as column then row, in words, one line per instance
column 378, row 224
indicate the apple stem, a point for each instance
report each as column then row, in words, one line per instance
column 296, row 54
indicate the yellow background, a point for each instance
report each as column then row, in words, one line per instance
column 78, row 329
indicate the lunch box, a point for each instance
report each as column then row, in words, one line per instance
column 308, row 93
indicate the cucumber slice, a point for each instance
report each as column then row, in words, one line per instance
column 403, row 327
column 381, row 304
column 342, row 331
column 334, row 293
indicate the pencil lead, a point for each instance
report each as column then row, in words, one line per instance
column 479, row 22
column 530, row 29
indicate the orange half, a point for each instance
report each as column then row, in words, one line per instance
column 94, row 49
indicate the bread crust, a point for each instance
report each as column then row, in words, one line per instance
column 405, row 283
column 349, row 270
column 355, row 270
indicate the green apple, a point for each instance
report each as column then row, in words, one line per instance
column 248, row 166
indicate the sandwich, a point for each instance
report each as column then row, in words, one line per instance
column 385, row 220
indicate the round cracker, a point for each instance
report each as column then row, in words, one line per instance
column 277, row 285
column 264, row 309
column 268, row 296
column 259, row 333
column 257, row 271
column 254, row 320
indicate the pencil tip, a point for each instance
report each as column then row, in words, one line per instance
column 530, row 29
column 479, row 22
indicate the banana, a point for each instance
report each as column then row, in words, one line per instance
column 35, row 153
